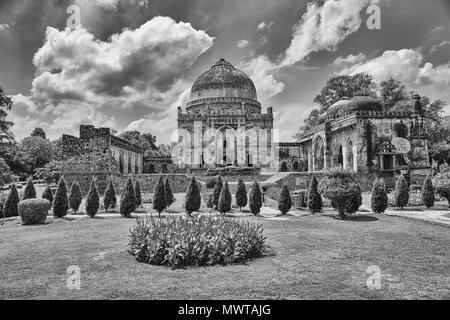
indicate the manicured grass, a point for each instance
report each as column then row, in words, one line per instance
column 312, row 257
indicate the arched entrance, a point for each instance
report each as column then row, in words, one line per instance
column 121, row 164
column 350, row 156
column 319, row 154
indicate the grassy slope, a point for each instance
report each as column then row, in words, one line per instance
column 314, row 257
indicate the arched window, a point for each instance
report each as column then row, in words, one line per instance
column 121, row 164
column 130, row 167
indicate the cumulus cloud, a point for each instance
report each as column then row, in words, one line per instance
column 264, row 25
column 82, row 79
column 243, row 43
column 350, row 59
column 4, row 27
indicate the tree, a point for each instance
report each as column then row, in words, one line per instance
column 10, row 208
column 75, row 196
column 225, row 199
column 92, row 200
column 5, row 173
column 109, row 199
column 255, row 199
column 48, row 194
column 61, row 201
column 128, row 200
column 401, row 195
column 169, row 194
column 392, row 91
column 159, row 196
column 428, row 192
column 193, row 199
column 315, row 203
column 217, row 191
column 442, row 184
column 137, row 190
column 284, row 200
column 39, row 132
column 6, row 136
column 30, row 191
column 379, row 197
column 146, row 141
column 311, row 121
column 35, row 152
column 241, row 195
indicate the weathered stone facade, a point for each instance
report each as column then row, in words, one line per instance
column 100, row 141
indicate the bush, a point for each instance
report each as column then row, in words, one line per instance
column 30, row 191
column 283, row 167
column 442, row 184
column 211, row 183
column 315, row 203
column 225, row 199
column 193, row 200
column 217, row 191
column 428, row 193
column 6, row 175
column 3, row 197
column 169, row 194
column 92, row 200
column 48, row 194
column 284, row 200
column 137, row 191
column 33, row 211
column 179, row 242
column 128, row 200
column 255, row 199
column 61, row 201
column 10, row 208
column 110, row 199
column 159, row 196
column 75, row 197
column 354, row 203
column 379, row 197
column 241, row 195
column 401, row 195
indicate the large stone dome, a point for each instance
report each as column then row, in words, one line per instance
column 223, row 80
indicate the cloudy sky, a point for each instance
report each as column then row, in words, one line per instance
column 131, row 63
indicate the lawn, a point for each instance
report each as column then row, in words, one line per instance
column 310, row 257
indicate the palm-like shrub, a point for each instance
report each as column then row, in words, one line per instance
column 30, row 191
column 340, row 187
column 48, row 194
column 169, row 194
column 33, row 211
column 401, row 195
column 137, row 191
column 61, row 201
column 255, row 199
column 379, row 197
column 10, row 208
column 428, row 193
column 442, row 184
column 159, row 196
column 179, row 242
column 92, row 200
column 75, row 197
column 241, row 195
column 284, row 200
column 315, row 203
column 110, row 199
column 128, row 200
column 225, row 199
column 193, row 199
column 217, row 191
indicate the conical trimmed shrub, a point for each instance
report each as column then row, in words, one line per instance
column 92, row 200
column 30, row 191
column 61, row 201
column 169, row 194
column 315, row 203
column 75, row 196
column 137, row 191
column 379, row 197
column 193, row 199
column 225, row 199
column 48, row 195
column 110, row 199
column 217, row 191
column 159, row 196
column 284, row 200
column 401, row 195
column 241, row 195
column 283, row 167
column 10, row 208
column 128, row 200
column 428, row 195
column 255, row 199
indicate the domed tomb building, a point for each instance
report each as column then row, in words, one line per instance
column 223, row 124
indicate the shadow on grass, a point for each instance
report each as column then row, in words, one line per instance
column 352, row 218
